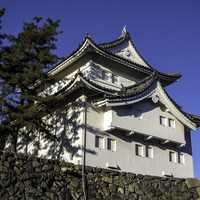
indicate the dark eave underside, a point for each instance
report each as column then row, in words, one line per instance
column 194, row 118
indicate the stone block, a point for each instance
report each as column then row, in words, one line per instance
column 192, row 183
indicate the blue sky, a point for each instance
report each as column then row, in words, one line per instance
column 167, row 33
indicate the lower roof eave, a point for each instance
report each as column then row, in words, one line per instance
column 127, row 101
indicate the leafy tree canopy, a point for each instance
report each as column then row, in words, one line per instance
column 25, row 59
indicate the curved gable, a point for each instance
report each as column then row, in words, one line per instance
column 173, row 108
column 125, row 48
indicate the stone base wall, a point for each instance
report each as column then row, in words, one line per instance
column 25, row 177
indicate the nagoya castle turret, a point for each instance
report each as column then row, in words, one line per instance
column 117, row 113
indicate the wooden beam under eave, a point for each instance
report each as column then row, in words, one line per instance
column 181, row 145
column 165, row 141
column 149, row 137
column 131, row 133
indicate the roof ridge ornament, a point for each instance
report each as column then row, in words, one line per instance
column 124, row 31
column 88, row 35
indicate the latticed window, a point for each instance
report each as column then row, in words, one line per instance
column 149, row 151
column 139, row 150
column 172, row 123
column 99, row 73
column 181, row 158
column 172, row 156
column 105, row 75
column 114, row 79
column 99, row 142
column 111, row 144
column 95, row 73
column 163, row 121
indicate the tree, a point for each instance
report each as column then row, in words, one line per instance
column 3, row 133
column 25, row 60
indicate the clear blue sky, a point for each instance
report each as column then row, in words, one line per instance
column 167, row 33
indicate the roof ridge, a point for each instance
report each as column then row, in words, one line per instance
column 122, row 38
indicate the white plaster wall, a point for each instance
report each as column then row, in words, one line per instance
column 128, row 51
column 149, row 123
column 107, row 119
column 125, row 155
column 63, row 128
column 122, row 79
column 66, row 77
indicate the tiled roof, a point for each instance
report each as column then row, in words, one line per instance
column 107, row 45
column 108, row 92
column 137, row 88
column 194, row 118
column 165, row 78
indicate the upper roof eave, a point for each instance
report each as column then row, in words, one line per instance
column 89, row 43
column 136, row 89
column 79, row 77
column 112, row 93
column 120, row 40
column 194, row 118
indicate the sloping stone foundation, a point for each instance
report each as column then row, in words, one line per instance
column 25, row 177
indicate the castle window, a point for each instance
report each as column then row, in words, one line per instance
column 172, row 156
column 95, row 73
column 111, row 144
column 181, row 158
column 168, row 122
column 99, row 142
column 172, row 123
column 108, row 76
column 163, row 121
column 149, row 151
column 139, row 150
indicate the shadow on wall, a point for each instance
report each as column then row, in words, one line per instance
column 64, row 133
column 135, row 110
